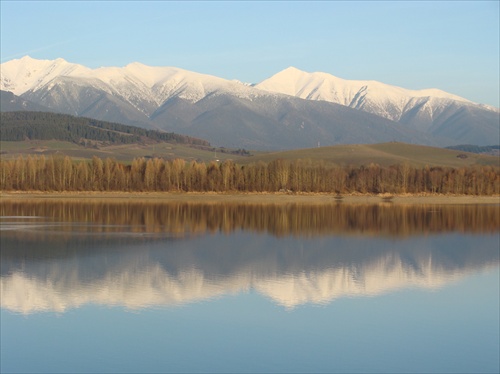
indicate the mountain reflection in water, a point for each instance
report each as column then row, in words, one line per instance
column 142, row 255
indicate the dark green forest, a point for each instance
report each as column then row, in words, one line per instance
column 18, row 126
column 489, row 149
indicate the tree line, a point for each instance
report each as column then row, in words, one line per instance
column 57, row 173
column 491, row 149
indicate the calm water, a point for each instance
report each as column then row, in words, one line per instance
column 143, row 287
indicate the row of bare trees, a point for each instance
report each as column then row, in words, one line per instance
column 63, row 174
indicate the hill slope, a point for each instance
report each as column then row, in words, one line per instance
column 383, row 154
column 10, row 103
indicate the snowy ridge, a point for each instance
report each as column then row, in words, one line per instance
column 135, row 83
column 19, row 76
column 371, row 96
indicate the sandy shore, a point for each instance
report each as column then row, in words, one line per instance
column 260, row 198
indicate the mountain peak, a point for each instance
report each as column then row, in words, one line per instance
column 26, row 58
column 290, row 72
column 27, row 73
column 292, row 69
column 375, row 97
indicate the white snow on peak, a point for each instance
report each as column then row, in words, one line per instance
column 19, row 76
column 136, row 83
column 139, row 84
column 240, row 82
column 371, row 96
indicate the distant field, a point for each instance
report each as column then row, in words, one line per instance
column 384, row 154
column 343, row 155
column 124, row 153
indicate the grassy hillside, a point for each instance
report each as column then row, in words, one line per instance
column 384, row 154
column 123, row 153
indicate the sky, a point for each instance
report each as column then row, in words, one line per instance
column 450, row 45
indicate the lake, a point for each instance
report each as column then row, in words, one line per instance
column 130, row 286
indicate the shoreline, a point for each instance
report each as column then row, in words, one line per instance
column 255, row 198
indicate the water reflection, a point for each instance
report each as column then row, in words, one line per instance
column 143, row 255
column 281, row 220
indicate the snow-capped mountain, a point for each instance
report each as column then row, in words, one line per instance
column 140, row 85
column 292, row 109
column 352, row 93
column 395, row 103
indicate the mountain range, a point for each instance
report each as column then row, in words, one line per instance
column 292, row 109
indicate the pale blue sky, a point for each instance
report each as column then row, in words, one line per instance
column 453, row 46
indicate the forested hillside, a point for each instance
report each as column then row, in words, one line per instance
column 18, row 126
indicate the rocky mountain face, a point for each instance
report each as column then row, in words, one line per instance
column 10, row 102
column 292, row 109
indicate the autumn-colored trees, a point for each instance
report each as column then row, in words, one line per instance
column 63, row 174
